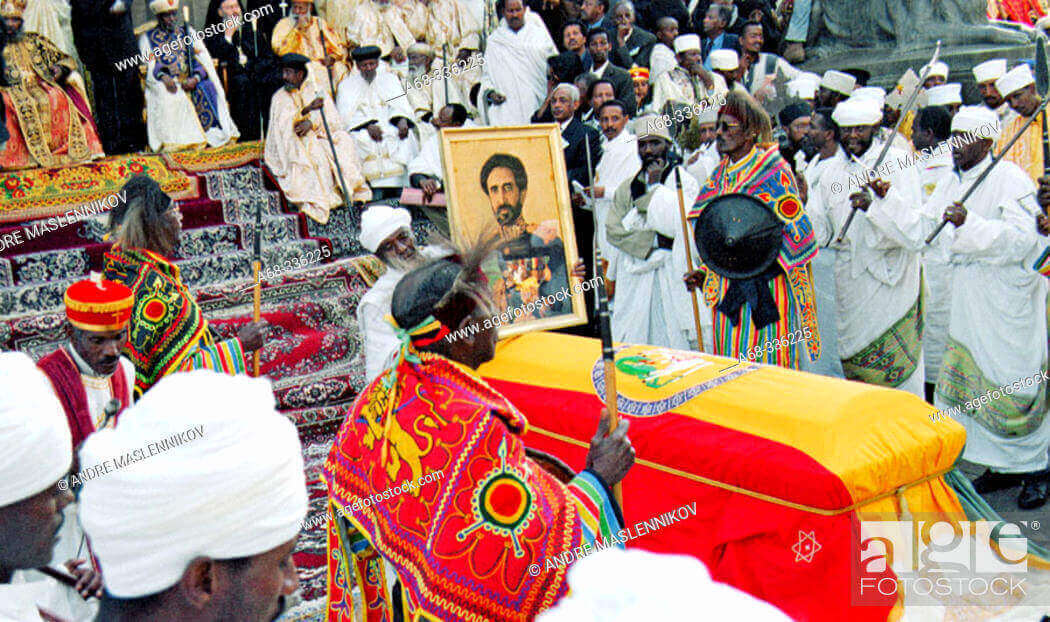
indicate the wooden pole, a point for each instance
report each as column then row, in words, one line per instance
column 688, row 257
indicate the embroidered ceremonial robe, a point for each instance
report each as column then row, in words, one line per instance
column 304, row 166
column 1027, row 152
column 766, row 176
column 168, row 332
column 467, row 545
column 516, row 67
column 997, row 327
column 49, row 123
column 379, row 24
column 83, row 393
column 314, row 38
column 183, row 119
column 654, row 307
column 877, row 275
column 450, row 24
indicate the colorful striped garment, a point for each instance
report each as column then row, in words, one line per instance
column 168, row 332
column 765, row 175
column 467, row 545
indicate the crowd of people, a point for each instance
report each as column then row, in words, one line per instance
column 894, row 267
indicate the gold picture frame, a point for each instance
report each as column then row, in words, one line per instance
column 535, row 263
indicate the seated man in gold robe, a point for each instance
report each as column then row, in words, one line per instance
column 46, row 109
column 312, row 37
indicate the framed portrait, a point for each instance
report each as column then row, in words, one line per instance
column 511, row 181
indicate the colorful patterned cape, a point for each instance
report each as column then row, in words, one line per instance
column 466, row 545
column 766, row 176
column 168, row 332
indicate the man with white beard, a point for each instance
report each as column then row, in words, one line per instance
column 877, row 267
column 619, row 162
column 375, row 112
column 387, row 232
column 645, row 227
column 514, row 79
column 997, row 327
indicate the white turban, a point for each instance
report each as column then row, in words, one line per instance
column 870, row 93
column 989, row 70
column 685, row 43
column 225, row 481
column 379, row 222
column 36, row 448
column 626, row 586
column 944, row 94
column 938, row 69
column 724, row 60
column 979, row 120
column 853, row 112
column 1017, row 78
column 838, row 82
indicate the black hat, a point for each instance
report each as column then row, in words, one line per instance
column 366, row 52
column 738, row 236
column 792, row 112
column 295, row 61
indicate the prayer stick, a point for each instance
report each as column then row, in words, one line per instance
column 608, row 356
column 688, row 258
column 256, row 270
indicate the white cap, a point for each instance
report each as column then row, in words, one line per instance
column 724, row 60
column 36, row 447
column 838, row 81
column 614, row 585
column 944, row 94
column 1015, row 79
column 684, row 43
column 379, row 222
column 870, row 93
column 938, row 69
column 205, row 466
column 989, row 70
column 708, row 115
column 803, row 87
column 979, row 120
column 853, row 112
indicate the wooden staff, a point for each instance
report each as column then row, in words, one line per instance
column 444, row 69
column 189, row 45
column 896, row 130
column 335, row 158
column 256, row 270
column 1042, row 85
column 331, row 75
column 608, row 356
column 688, row 258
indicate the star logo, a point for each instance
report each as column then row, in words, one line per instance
column 806, row 547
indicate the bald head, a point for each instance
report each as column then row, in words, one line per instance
column 667, row 30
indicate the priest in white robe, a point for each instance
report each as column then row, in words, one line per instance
column 619, row 163
column 645, row 227
column 877, row 275
column 376, row 112
column 514, row 78
column 314, row 38
column 185, row 103
column 991, row 380
column 297, row 148
column 377, row 22
column 36, row 452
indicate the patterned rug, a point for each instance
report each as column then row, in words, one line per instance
column 201, row 160
column 45, row 192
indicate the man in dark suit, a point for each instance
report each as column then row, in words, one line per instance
column 599, row 46
column 650, row 12
column 715, row 35
column 636, row 42
column 575, row 139
column 593, row 15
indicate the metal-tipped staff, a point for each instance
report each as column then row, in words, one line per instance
column 444, row 69
column 1044, row 90
column 324, row 48
column 608, row 356
column 335, row 158
column 189, row 46
column 688, row 257
column 256, row 271
column 1041, row 79
column 896, row 130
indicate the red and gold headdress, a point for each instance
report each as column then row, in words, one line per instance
column 98, row 305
